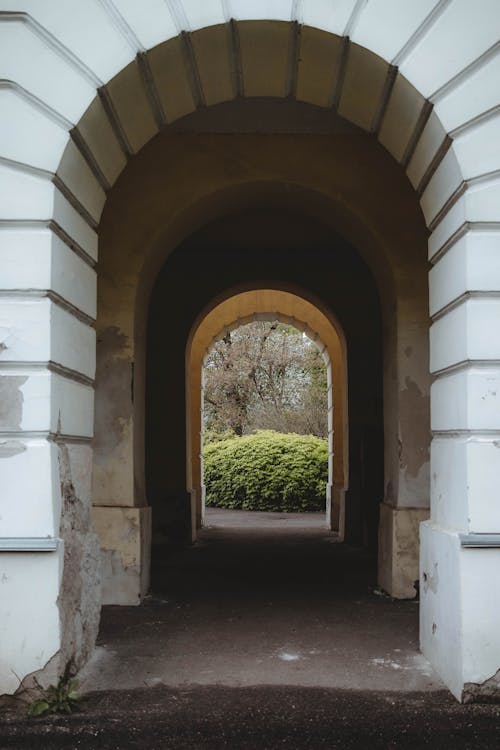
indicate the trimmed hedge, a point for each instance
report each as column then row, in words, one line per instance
column 267, row 471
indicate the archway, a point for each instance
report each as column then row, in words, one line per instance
column 427, row 119
column 295, row 310
column 295, row 250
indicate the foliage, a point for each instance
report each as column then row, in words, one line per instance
column 211, row 435
column 60, row 698
column 265, row 375
column 267, row 471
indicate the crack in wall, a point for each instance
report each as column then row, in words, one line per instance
column 80, row 591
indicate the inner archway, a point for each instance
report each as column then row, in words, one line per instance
column 295, row 310
column 340, row 305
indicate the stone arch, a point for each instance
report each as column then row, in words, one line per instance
column 288, row 307
column 436, row 113
column 124, row 251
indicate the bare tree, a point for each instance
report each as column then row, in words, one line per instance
column 265, row 376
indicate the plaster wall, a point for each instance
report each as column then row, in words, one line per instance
column 125, row 541
column 398, row 561
column 30, row 588
column 459, row 619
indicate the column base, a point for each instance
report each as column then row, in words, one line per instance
column 125, row 539
column 335, row 509
column 398, row 549
column 460, row 612
column 30, row 631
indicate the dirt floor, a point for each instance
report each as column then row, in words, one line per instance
column 265, row 634
column 261, row 717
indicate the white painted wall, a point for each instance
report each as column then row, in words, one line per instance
column 29, row 615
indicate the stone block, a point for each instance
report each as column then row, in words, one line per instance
column 125, row 539
column 399, row 549
column 468, row 399
column 29, row 477
column 459, row 613
column 465, row 471
column 464, row 333
column 472, row 264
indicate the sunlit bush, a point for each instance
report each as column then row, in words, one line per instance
column 267, row 471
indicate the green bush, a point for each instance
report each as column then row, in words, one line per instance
column 267, row 471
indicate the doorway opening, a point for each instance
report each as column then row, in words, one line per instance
column 270, row 344
column 210, row 284
column 266, row 441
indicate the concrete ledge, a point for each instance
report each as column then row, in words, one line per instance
column 399, row 549
column 125, row 539
column 471, row 541
column 29, row 544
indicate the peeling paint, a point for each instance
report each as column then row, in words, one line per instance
column 9, row 448
column 11, row 401
column 484, row 692
column 414, row 422
column 113, row 395
column 29, row 686
column 119, row 580
column 431, row 581
column 124, row 535
column 112, row 341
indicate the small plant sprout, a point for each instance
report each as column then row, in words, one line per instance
column 60, row 698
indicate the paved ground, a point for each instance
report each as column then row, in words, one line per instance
column 278, row 603
column 269, row 637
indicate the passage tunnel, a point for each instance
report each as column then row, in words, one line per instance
column 264, row 247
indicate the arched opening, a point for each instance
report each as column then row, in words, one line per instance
column 341, row 303
column 260, row 213
column 415, row 98
column 185, row 283
column 295, row 310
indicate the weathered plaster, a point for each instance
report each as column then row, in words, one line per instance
column 79, row 595
column 398, row 563
column 125, row 541
column 482, row 692
column 9, row 448
column 113, row 478
column 11, row 402
column 430, row 582
column 415, row 433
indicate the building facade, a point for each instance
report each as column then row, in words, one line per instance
column 158, row 159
